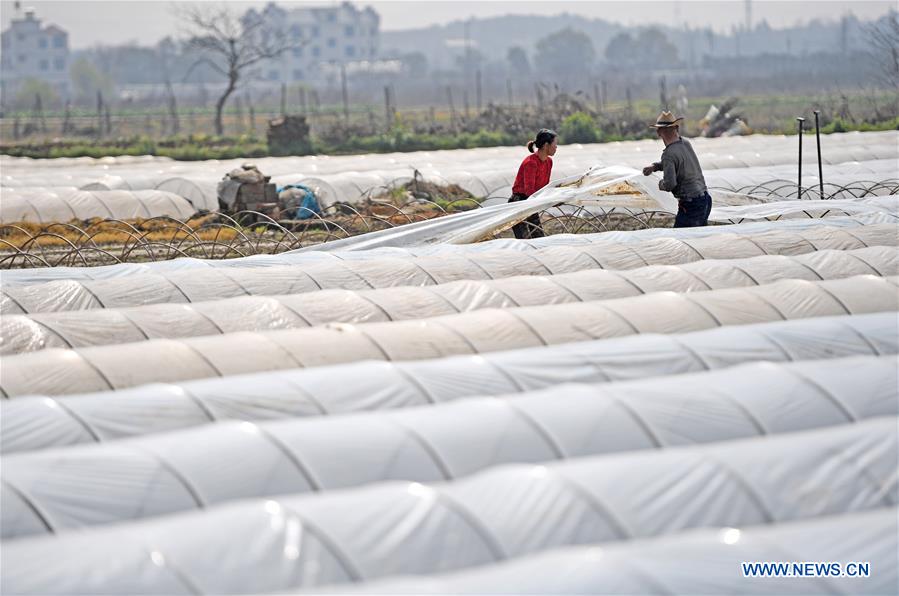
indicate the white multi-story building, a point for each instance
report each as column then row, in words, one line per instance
column 30, row 51
column 325, row 37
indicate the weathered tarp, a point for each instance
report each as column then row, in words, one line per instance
column 402, row 528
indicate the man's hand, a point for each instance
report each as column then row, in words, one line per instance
column 648, row 170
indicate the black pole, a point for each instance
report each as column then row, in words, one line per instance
column 820, row 170
column 799, row 181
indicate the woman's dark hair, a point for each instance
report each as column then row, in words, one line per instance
column 544, row 137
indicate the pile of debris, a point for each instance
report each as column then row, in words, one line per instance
column 723, row 121
column 288, row 135
column 247, row 189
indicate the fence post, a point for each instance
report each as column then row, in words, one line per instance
column 66, row 122
column 449, row 97
column 820, row 169
column 799, row 180
column 252, row 113
column 344, row 95
column 99, row 113
column 663, row 92
column 388, row 124
column 477, row 86
column 283, row 99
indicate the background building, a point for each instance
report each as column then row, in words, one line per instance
column 328, row 37
column 30, row 51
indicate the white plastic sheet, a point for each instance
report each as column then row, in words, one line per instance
column 127, row 365
column 12, row 277
column 694, row 562
column 32, row 423
column 510, row 511
column 190, row 285
column 166, row 473
column 63, row 205
column 20, row 333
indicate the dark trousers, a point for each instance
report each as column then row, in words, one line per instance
column 693, row 213
column 530, row 227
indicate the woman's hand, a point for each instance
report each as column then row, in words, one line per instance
column 648, row 170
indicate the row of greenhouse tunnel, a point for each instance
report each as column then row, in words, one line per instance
column 417, row 413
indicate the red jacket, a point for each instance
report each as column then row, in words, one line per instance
column 533, row 175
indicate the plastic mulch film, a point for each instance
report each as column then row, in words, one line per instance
column 62, row 205
column 708, row 561
column 195, row 285
column 400, row 528
column 82, row 328
column 171, row 360
column 10, row 277
column 32, row 423
column 167, row 473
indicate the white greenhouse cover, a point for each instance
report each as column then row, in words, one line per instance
column 475, row 169
column 55, row 205
column 192, row 285
column 168, row 360
column 886, row 207
column 508, row 511
column 707, row 561
column 32, row 423
column 166, row 473
column 82, row 328
column 328, row 252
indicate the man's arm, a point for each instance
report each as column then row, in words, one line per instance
column 669, row 181
column 655, row 167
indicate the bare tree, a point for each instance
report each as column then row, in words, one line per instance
column 883, row 36
column 231, row 45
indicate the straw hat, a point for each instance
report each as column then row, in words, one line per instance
column 666, row 119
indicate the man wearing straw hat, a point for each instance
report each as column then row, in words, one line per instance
column 682, row 174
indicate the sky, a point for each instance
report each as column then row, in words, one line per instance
column 111, row 22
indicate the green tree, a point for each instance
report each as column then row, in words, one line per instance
column 565, row 52
column 579, row 128
column 30, row 89
column 87, row 80
column 518, row 61
column 649, row 48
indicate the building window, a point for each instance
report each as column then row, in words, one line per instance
column 316, row 51
column 45, row 65
column 297, row 52
column 20, row 37
column 315, row 31
column 350, row 51
column 42, row 43
column 59, row 63
column 21, row 57
column 296, row 31
column 297, row 74
column 349, row 31
column 332, row 43
column 332, row 17
column 273, row 75
column 59, row 41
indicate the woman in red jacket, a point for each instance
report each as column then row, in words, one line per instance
column 533, row 174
